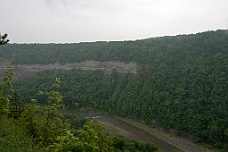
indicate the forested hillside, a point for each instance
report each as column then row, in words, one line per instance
column 181, row 81
column 34, row 127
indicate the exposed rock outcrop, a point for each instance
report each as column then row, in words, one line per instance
column 107, row 67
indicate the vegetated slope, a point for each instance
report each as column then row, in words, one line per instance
column 147, row 51
column 182, row 82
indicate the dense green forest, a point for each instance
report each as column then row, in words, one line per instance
column 181, row 82
column 34, row 127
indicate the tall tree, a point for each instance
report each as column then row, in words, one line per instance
column 6, row 90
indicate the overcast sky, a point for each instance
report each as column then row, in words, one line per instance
column 66, row 21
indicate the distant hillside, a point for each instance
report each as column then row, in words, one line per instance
column 181, row 81
column 179, row 48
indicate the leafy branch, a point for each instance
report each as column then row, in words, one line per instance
column 3, row 39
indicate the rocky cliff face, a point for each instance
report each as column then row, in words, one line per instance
column 107, row 67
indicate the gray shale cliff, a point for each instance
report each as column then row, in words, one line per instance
column 22, row 70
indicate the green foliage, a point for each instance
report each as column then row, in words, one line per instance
column 94, row 135
column 45, row 123
column 6, row 91
column 147, row 51
column 94, row 139
column 124, row 145
column 16, row 106
column 39, row 125
column 29, row 127
column 91, row 138
column 32, row 121
column 13, row 137
column 54, row 124
column 159, row 101
column 181, row 82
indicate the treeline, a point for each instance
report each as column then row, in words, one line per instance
column 147, row 51
column 182, row 82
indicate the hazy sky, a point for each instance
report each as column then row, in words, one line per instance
column 65, row 21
